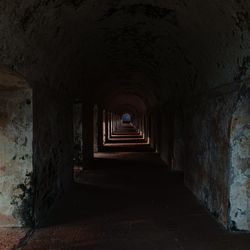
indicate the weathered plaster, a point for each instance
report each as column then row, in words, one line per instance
column 207, row 123
column 16, row 171
column 239, row 215
column 166, row 135
column 206, row 134
column 168, row 51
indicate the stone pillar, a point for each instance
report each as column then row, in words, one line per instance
column 146, row 127
column 143, row 126
column 88, row 132
column 96, row 128
column 106, row 124
column 100, row 128
column 109, row 125
column 154, row 130
column 53, row 150
column 78, row 137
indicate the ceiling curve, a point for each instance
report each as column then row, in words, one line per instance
column 170, row 48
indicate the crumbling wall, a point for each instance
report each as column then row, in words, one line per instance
column 239, row 215
column 16, row 188
column 53, row 150
column 207, row 142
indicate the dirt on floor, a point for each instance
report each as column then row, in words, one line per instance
column 130, row 202
column 11, row 237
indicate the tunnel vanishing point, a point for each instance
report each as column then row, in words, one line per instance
column 78, row 77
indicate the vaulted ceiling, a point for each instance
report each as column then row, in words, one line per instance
column 164, row 48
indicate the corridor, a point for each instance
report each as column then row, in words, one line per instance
column 125, row 124
column 132, row 201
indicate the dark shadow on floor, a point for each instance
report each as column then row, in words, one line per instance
column 133, row 202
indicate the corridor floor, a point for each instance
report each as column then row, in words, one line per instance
column 130, row 201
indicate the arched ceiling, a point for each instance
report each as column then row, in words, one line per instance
column 126, row 102
column 167, row 47
column 112, row 94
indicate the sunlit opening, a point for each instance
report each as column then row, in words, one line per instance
column 126, row 118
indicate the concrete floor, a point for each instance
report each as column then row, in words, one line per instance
column 129, row 201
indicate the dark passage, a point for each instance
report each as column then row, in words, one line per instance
column 125, row 125
column 130, row 201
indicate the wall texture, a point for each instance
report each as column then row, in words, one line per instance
column 166, row 135
column 78, row 136
column 88, row 133
column 53, row 150
column 16, row 172
column 240, row 164
column 165, row 50
column 207, row 156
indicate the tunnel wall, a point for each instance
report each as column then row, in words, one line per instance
column 53, row 150
column 96, row 129
column 78, row 133
column 240, row 165
column 178, row 162
column 88, row 132
column 16, row 171
column 166, row 135
column 207, row 143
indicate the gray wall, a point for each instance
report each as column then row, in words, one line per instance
column 240, row 165
column 211, row 144
column 16, row 171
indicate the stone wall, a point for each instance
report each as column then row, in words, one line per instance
column 88, row 133
column 96, row 129
column 53, row 150
column 78, row 136
column 166, row 135
column 207, row 149
column 16, row 192
column 240, row 165
column 178, row 163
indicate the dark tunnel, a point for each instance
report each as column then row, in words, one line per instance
column 125, row 124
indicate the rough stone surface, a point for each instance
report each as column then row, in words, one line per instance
column 53, row 150
column 240, row 165
column 166, row 135
column 10, row 237
column 208, row 154
column 166, row 53
column 16, row 154
column 157, row 40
